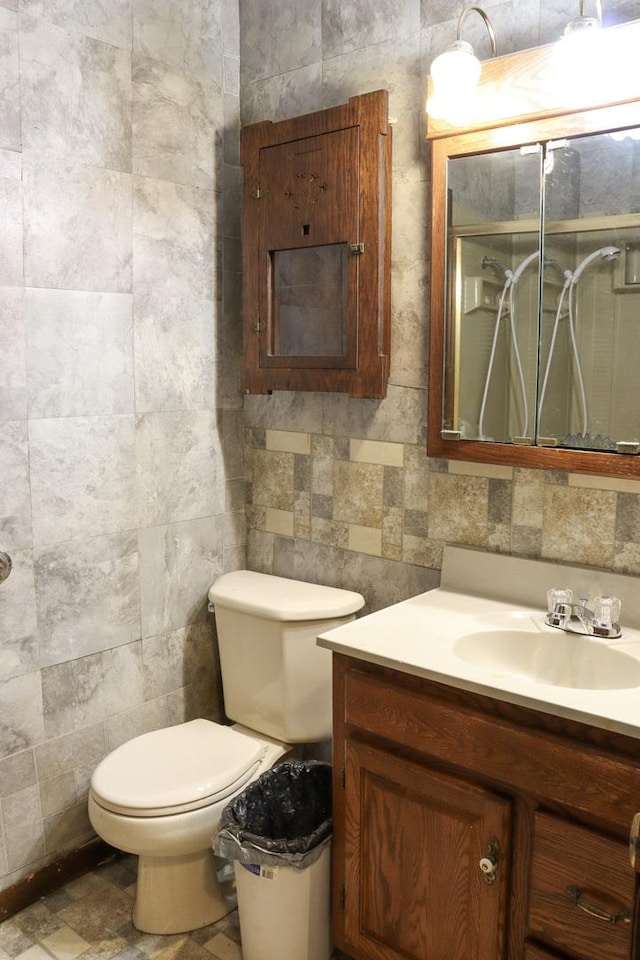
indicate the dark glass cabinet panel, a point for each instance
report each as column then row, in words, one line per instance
column 310, row 302
column 316, row 256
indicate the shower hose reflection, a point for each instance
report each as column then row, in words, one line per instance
column 608, row 254
column 511, row 279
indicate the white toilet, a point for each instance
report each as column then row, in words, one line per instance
column 161, row 794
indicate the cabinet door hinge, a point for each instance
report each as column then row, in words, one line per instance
column 342, row 777
column 343, row 896
column 256, row 193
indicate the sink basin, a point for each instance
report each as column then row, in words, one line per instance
column 559, row 659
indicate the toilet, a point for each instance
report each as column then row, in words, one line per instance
column 161, row 795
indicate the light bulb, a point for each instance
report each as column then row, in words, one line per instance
column 575, row 78
column 454, row 74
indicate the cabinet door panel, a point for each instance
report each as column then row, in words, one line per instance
column 576, row 873
column 414, row 839
column 308, row 281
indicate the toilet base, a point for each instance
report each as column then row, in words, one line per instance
column 178, row 894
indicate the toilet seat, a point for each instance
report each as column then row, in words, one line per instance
column 176, row 769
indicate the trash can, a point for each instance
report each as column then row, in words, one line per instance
column 278, row 833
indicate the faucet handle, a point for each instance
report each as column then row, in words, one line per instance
column 557, row 596
column 607, row 611
column 559, row 601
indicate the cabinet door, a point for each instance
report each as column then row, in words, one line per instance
column 414, row 840
column 317, row 250
column 308, row 281
column 582, row 891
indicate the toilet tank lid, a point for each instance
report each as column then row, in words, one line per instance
column 278, row 598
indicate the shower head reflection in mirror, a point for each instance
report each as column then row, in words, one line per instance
column 607, row 254
column 487, row 262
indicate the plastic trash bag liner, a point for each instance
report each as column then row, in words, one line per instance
column 281, row 819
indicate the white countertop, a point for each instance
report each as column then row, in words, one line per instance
column 420, row 636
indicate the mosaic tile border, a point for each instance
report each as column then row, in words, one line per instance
column 389, row 500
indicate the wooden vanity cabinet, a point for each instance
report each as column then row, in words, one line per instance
column 470, row 829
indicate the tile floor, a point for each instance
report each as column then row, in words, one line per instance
column 90, row 919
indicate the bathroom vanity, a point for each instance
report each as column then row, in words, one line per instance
column 487, row 772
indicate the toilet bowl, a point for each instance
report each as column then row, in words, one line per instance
column 161, row 795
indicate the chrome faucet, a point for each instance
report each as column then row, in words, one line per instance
column 602, row 621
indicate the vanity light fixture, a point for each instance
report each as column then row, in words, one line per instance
column 590, row 66
column 579, row 49
column 455, row 74
column 581, row 23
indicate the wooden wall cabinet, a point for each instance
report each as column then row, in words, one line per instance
column 469, row 829
column 316, row 250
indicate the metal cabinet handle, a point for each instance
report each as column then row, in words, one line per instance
column 594, row 909
column 634, row 843
column 5, row 566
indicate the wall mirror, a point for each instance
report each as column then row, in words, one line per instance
column 535, row 323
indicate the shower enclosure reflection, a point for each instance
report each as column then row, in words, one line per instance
column 543, row 268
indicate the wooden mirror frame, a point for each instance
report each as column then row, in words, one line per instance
column 525, row 83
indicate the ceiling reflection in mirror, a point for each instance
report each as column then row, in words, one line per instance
column 542, row 344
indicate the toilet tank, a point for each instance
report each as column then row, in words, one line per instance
column 275, row 678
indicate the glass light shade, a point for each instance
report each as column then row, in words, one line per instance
column 577, row 66
column 593, row 65
column 454, row 75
